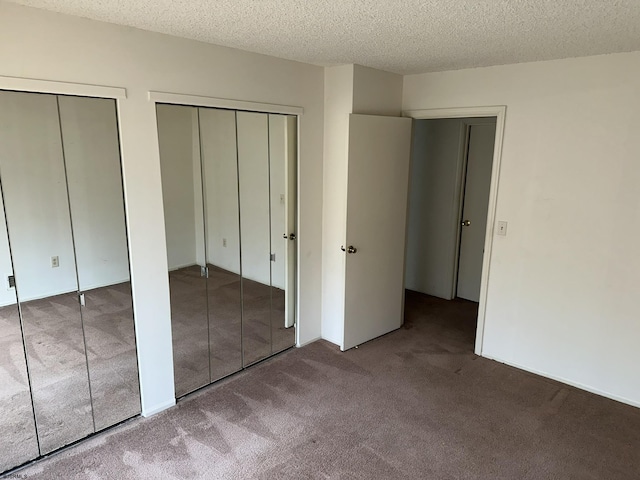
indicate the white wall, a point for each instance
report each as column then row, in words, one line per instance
column 434, row 203
column 220, row 167
column 92, row 159
column 376, row 92
column 348, row 89
column 44, row 45
column 7, row 294
column 35, row 195
column 36, row 177
column 338, row 104
column 175, row 127
column 183, row 132
column 253, row 180
column 563, row 283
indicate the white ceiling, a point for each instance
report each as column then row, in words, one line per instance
column 402, row 36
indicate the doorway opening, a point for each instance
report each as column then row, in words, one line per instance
column 449, row 225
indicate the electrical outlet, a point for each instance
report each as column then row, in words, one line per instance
column 55, row 262
column 224, row 242
column 502, row 228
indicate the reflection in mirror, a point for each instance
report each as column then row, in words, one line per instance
column 37, row 211
column 253, row 170
column 282, row 177
column 184, row 223
column 220, row 171
column 18, row 442
column 92, row 159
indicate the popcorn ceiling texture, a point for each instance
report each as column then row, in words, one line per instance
column 407, row 36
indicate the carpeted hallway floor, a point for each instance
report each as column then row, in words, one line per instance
column 414, row 404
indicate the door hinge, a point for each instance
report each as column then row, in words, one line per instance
column 272, row 257
column 12, row 281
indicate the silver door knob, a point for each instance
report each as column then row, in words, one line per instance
column 350, row 249
column 466, row 223
column 290, row 237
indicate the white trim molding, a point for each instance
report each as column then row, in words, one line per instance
column 498, row 111
column 148, row 412
column 61, row 88
column 198, row 101
column 571, row 383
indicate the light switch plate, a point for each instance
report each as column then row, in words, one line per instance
column 502, row 228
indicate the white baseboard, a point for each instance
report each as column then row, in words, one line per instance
column 148, row 412
column 579, row 385
column 308, row 342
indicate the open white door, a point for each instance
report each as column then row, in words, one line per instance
column 474, row 211
column 291, row 148
column 378, row 178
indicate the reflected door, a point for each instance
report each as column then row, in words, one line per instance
column 92, row 159
column 18, row 442
column 282, row 180
column 39, row 226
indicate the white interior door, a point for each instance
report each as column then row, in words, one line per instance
column 291, row 146
column 474, row 210
column 378, row 177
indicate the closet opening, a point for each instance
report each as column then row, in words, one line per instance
column 449, row 196
column 229, row 182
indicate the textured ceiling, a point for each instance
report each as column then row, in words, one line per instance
column 402, row 36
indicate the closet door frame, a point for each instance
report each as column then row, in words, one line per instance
column 156, row 98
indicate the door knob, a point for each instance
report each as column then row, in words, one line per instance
column 350, row 249
column 290, row 237
column 466, row 223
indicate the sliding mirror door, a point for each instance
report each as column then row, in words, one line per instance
column 229, row 188
column 18, row 442
column 92, row 159
column 253, row 172
column 66, row 318
column 37, row 211
column 179, row 143
column 222, row 233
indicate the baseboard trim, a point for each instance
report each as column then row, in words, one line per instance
column 308, row 342
column 148, row 412
column 566, row 381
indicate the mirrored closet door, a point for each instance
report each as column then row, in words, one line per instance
column 228, row 180
column 66, row 270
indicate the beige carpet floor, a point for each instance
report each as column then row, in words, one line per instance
column 55, row 344
column 414, row 404
column 220, row 321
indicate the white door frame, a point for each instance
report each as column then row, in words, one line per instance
column 498, row 111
